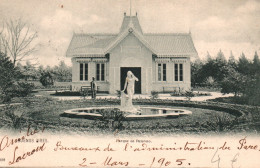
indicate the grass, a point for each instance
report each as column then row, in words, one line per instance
column 46, row 111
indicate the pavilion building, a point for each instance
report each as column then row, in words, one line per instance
column 160, row 61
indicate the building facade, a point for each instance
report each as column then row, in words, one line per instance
column 160, row 61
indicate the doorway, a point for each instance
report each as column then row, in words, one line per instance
column 137, row 72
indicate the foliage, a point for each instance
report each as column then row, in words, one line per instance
column 189, row 94
column 209, row 81
column 252, row 91
column 9, row 75
column 154, row 95
column 24, row 89
column 176, row 93
column 196, row 72
column 62, row 72
column 14, row 116
column 118, row 93
column 112, row 118
column 233, row 76
column 234, row 82
column 19, row 89
column 46, row 79
column 84, row 93
column 45, row 112
column 28, row 71
column 67, row 93
column 221, row 123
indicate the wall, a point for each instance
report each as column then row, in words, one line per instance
column 170, row 84
column 130, row 52
column 76, row 83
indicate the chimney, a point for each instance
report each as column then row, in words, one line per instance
column 124, row 14
column 136, row 13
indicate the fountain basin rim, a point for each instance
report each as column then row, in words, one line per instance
column 174, row 113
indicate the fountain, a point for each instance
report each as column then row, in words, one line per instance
column 126, row 100
column 132, row 112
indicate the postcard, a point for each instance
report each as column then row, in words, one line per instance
column 129, row 83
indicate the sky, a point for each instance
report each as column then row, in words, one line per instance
column 229, row 25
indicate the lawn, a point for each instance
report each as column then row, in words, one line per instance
column 46, row 111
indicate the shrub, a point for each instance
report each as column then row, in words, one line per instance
column 221, row 123
column 46, row 79
column 19, row 89
column 210, row 81
column 118, row 93
column 84, row 93
column 112, row 117
column 176, row 93
column 154, row 95
column 14, row 116
column 189, row 94
column 24, row 89
column 67, row 93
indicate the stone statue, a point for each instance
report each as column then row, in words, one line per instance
column 126, row 100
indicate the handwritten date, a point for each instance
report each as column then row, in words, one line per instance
column 156, row 162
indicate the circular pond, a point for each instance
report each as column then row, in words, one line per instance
column 143, row 113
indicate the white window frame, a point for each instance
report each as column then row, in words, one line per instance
column 100, row 72
column 161, row 73
column 84, row 72
column 178, row 73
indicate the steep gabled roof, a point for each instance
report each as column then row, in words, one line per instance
column 135, row 22
column 159, row 44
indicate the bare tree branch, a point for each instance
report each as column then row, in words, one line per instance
column 16, row 37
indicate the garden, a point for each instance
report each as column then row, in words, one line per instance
column 30, row 99
column 207, row 118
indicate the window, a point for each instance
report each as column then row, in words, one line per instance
column 161, row 72
column 181, row 72
column 83, row 71
column 100, row 72
column 178, row 72
column 164, row 72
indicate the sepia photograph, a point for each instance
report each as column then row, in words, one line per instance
column 129, row 83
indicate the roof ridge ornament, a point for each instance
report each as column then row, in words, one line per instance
column 131, row 25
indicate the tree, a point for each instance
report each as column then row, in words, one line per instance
column 233, row 82
column 220, row 57
column 209, row 58
column 16, row 38
column 255, row 68
column 231, row 61
column 9, row 75
column 62, row 72
column 195, row 73
column 29, row 72
column 252, row 91
column 243, row 65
